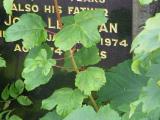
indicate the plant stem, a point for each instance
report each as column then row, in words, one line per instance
column 94, row 104
column 58, row 14
column 77, row 71
column 74, row 62
column 66, row 68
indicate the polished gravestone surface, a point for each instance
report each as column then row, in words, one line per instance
column 114, row 46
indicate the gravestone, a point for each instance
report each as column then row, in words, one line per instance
column 113, row 48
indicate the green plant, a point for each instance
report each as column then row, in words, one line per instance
column 11, row 93
column 146, row 61
column 38, row 66
column 124, row 96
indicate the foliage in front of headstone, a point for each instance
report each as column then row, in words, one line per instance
column 114, row 94
column 122, row 89
column 11, row 93
column 38, row 65
column 146, row 61
column 32, row 32
column 146, row 46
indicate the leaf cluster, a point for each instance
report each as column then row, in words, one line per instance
column 119, row 93
column 13, row 92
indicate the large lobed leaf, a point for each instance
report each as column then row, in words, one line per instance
column 150, row 94
column 145, row 44
column 88, row 113
column 38, row 67
column 65, row 99
column 149, row 97
column 140, row 115
column 84, row 57
column 30, row 28
column 92, row 79
column 51, row 116
column 82, row 27
column 123, row 86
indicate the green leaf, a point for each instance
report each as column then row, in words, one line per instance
column 8, row 115
column 107, row 113
column 68, row 20
column 123, row 86
column 76, row 30
column 144, row 66
column 92, row 79
column 30, row 28
column 51, row 116
column 84, row 57
column 150, row 94
column 65, row 99
column 87, row 113
column 154, row 115
column 19, row 85
column 2, row 114
column 138, row 115
column 145, row 44
column 38, row 67
column 8, row 5
column 15, row 117
column 2, row 62
column 13, row 91
column 149, row 97
column 16, row 88
column 24, row 100
column 84, row 113
column 5, row 93
column 153, row 72
column 144, row 2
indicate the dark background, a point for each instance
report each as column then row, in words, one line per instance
column 119, row 11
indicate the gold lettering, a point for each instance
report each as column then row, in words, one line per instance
column 11, row 20
column 75, row 10
column 103, row 54
column 109, row 28
column 26, row 8
column 103, row 28
column 113, row 28
column 51, row 9
column 50, row 25
column 50, row 38
column 24, row 49
column 20, row 49
column 17, row 48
